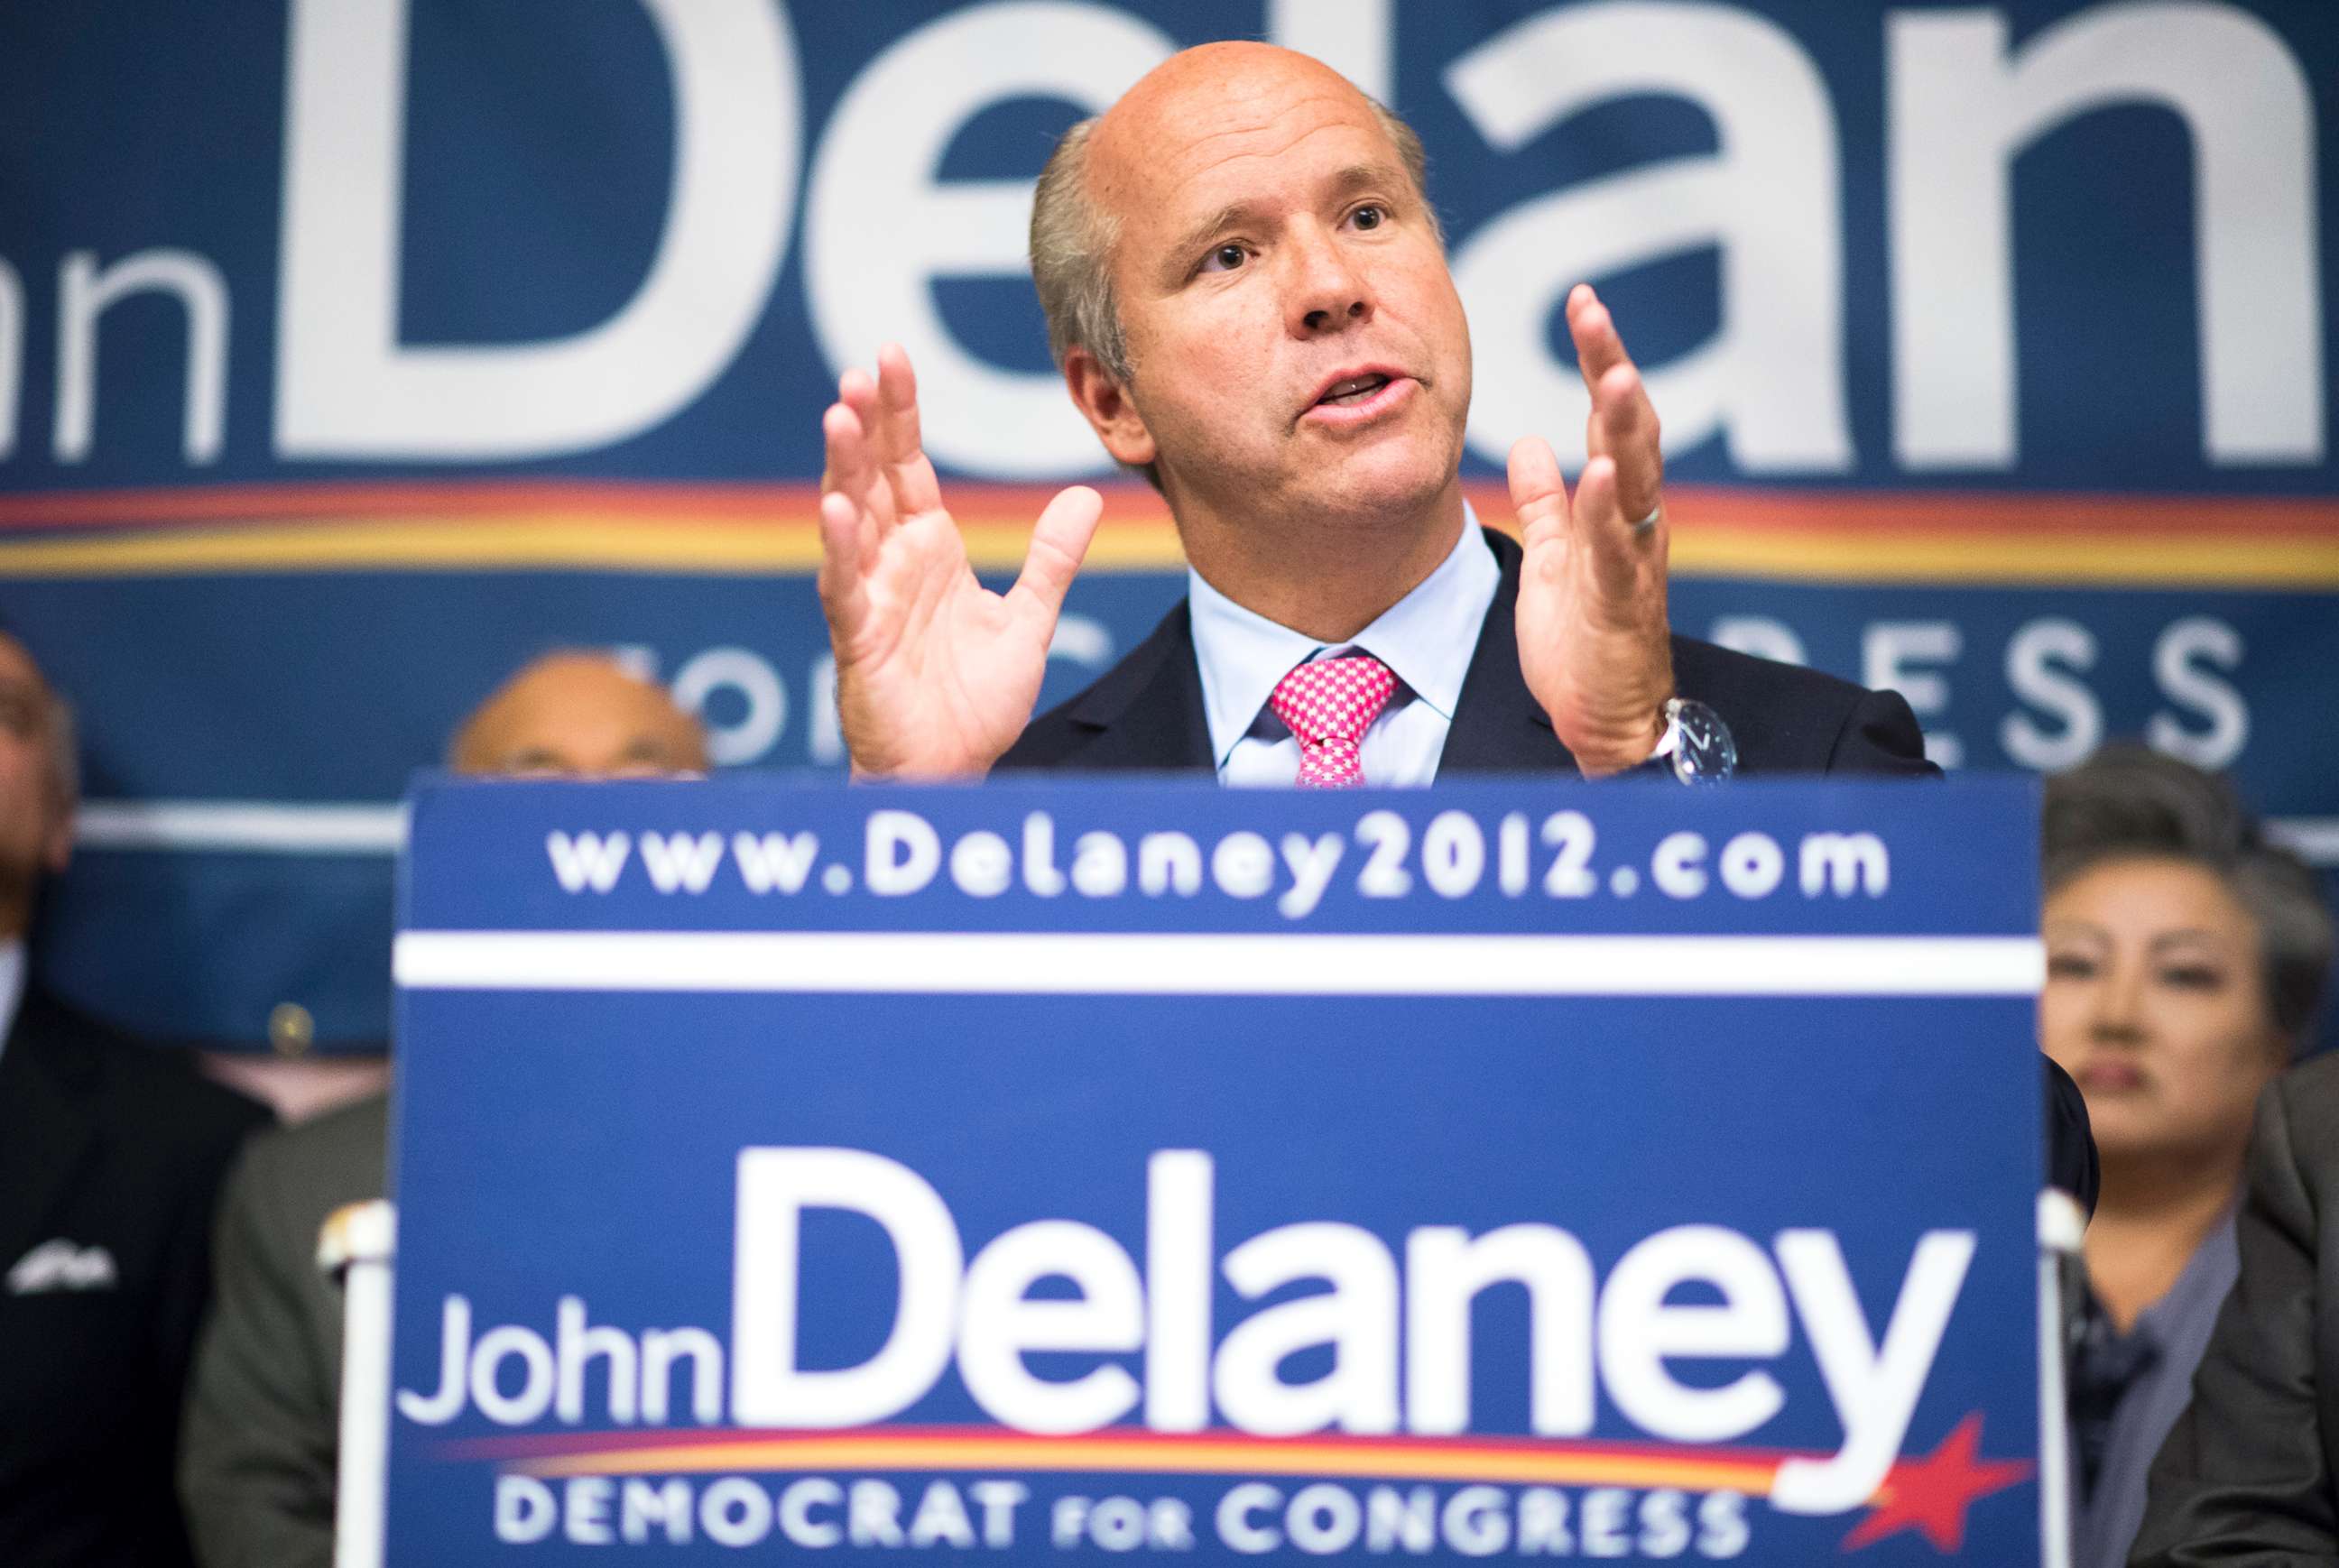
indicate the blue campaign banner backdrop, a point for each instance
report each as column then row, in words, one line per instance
column 351, row 355
column 1508, row 1170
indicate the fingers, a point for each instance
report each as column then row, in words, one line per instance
column 898, row 438
column 1616, row 552
column 847, row 467
column 1628, row 424
column 857, row 390
column 1059, row 542
column 842, row 593
column 1538, row 494
column 900, row 444
column 890, row 474
column 1598, row 349
column 1623, row 424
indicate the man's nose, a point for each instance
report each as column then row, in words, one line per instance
column 1327, row 289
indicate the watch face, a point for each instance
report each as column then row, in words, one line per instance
column 1704, row 754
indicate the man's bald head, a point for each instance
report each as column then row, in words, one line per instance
column 1200, row 92
column 581, row 714
column 1076, row 208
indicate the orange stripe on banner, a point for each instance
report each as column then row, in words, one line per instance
column 639, row 501
column 523, row 543
column 1734, row 508
column 1523, row 1463
column 1808, row 537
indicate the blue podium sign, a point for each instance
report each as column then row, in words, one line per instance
column 1072, row 1171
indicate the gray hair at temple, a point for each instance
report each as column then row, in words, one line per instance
column 1072, row 240
column 2127, row 803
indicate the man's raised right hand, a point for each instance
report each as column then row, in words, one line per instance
column 935, row 675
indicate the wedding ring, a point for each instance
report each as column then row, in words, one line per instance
column 1645, row 524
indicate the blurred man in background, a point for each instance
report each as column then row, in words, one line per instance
column 263, row 1418
column 576, row 715
column 2185, row 957
column 111, row 1157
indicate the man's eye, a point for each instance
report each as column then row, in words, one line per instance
column 2071, row 966
column 1225, row 258
column 1368, row 217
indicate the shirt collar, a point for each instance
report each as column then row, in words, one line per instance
column 1426, row 638
column 2206, row 1280
column 11, row 987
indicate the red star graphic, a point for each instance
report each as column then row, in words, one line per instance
column 1932, row 1493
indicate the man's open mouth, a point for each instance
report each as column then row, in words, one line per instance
column 1354, row 389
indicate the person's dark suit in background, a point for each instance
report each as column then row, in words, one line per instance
column 259, row 1464
column 111, row 1157
column 262, row 1426
column 2249, row 1478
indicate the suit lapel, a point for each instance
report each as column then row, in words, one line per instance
column 48, row 1125
column 1498, row 727
column 1146, row 712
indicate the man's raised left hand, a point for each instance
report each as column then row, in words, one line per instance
column 1593, row 642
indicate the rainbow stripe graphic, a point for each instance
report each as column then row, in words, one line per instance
column 612, row 525
column 1930, row 1494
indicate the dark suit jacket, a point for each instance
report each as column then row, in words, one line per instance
column 258, row 1464
column 2247, row 1476
column 1145, row 712
column 108, row 1150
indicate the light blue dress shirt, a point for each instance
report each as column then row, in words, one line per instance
column 1426, row 639
column 12, row 985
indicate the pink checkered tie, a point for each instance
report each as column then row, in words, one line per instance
column 1329, row 704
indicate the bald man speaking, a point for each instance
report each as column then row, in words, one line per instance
column 1247, row 291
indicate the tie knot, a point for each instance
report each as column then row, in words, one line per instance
column 1329, row 704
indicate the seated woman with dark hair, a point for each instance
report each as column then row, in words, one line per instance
column 2185, row 957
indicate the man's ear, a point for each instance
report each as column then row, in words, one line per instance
column 1107, row 406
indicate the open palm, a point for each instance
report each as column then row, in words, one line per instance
column 935, row 675
column 1593, row 643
